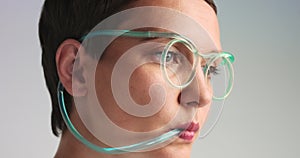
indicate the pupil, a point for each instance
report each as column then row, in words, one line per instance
column 169, row 56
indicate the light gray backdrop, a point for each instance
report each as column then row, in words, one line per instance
column 260, row 118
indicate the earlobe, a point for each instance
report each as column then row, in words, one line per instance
column 71, row 77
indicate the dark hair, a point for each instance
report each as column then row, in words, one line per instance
column 63, row 19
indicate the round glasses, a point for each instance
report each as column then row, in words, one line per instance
column 180, row 61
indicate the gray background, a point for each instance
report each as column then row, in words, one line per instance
column 260, row 118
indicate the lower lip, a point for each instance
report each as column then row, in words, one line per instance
column 187, row 135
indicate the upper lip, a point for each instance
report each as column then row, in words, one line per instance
column 192, row 127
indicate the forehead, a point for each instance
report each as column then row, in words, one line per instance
column 193, row 19
column 198, row 10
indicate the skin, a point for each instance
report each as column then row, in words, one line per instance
column 139, row 84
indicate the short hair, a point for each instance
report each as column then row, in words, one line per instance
column 63, row 19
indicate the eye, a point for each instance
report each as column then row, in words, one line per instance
column 213, row 70
column 171, row 57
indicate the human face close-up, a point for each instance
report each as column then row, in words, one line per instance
column 144, row 76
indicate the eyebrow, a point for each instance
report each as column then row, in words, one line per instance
column 153, row 29
column 153, row 39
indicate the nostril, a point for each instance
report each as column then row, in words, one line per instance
column 193, row 103
column 196, row 94
column 179, row 98
column 187, row 101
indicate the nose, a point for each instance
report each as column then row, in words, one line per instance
column 198, row 93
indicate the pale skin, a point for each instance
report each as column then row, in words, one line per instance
column 140, row 81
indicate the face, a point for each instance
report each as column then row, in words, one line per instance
column 146, row 75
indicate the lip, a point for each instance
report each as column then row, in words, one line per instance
column 188, row 131
column 194, row 127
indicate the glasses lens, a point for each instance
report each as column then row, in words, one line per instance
column 219, row 75
column 178, row 63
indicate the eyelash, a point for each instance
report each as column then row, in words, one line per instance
column 212, row 70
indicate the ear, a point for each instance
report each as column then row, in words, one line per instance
column 65, row 59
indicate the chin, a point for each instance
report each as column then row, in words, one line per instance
column 173, row 151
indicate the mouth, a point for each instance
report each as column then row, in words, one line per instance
column 189, row 131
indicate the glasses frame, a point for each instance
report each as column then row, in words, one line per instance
column 210, row 58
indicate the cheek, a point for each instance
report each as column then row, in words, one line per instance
column 147, row 78
column 139, row 86
column 202, row 115
column 141, row 81
column 209, row 87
